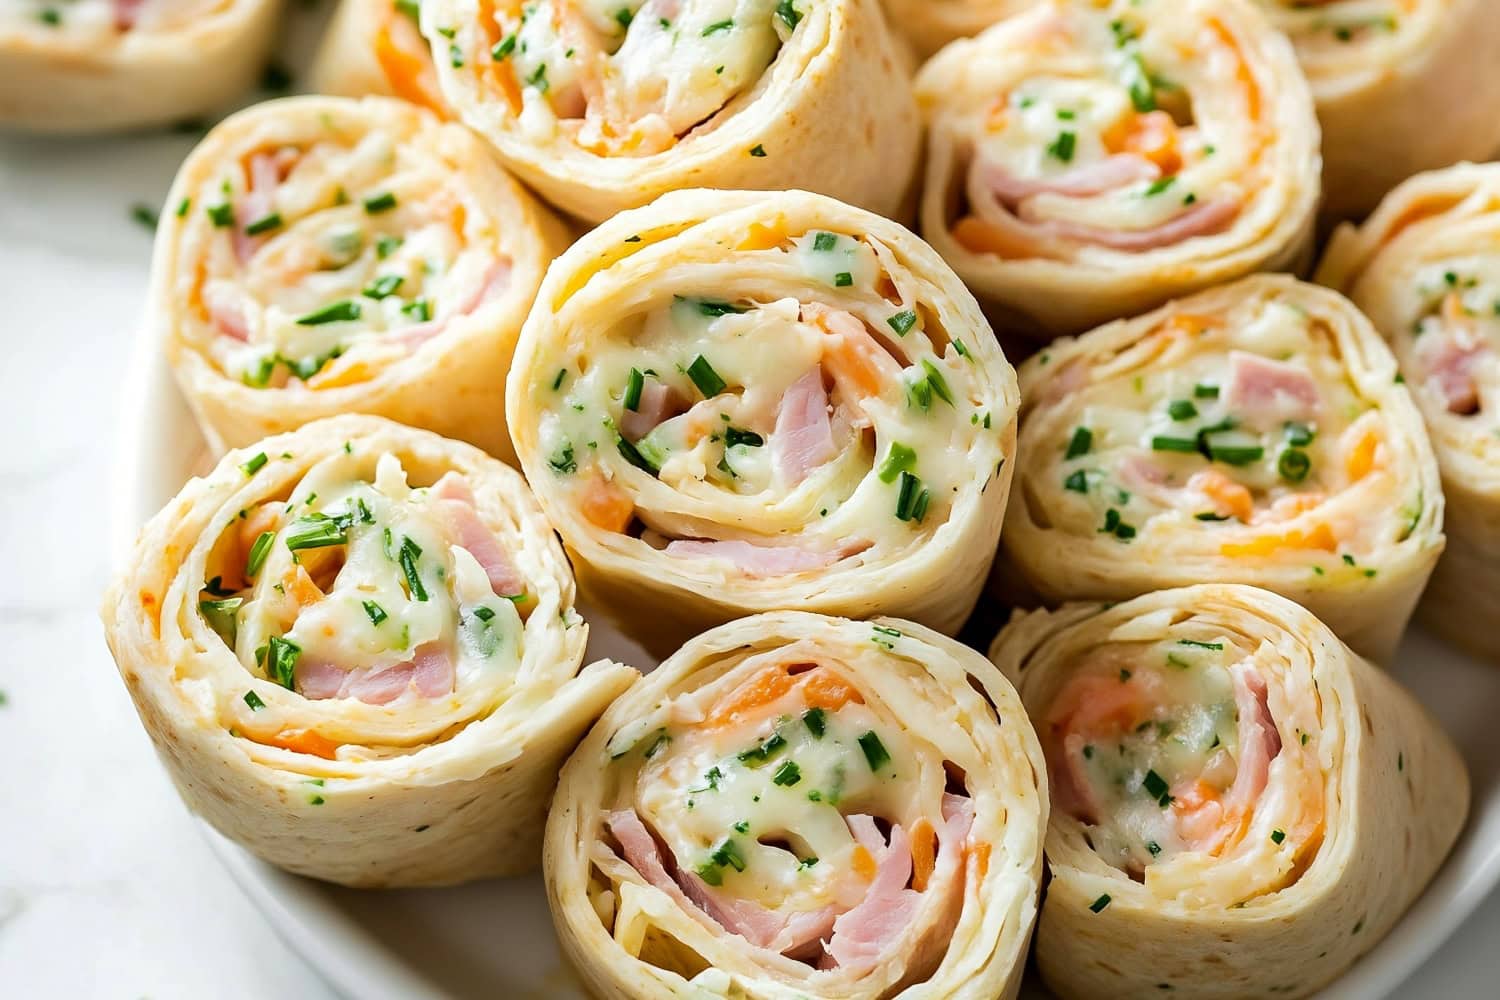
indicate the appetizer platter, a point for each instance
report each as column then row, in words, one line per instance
column 817, row 498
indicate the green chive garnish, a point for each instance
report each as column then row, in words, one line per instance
column 875, row 753
column 633, row 388
column 1080, row 443
column 705, row 378
column 376, row 612
column 339, row 312
column 258, row 552
column 380, row 203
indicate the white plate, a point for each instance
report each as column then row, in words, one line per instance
column 494, row 939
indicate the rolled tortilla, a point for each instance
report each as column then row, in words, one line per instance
column 1426, row 269
column 930, row 24
column 795, row 805
column 376, row 47
column 100, row 65
column 355, row 649
column 1242, row 806
column 603, row 106
column 1254, row 433
column 732, row 402
column 1087, row 161
column 1400, row 86
column 322, row 255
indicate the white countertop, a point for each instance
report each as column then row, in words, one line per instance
column 106, row 888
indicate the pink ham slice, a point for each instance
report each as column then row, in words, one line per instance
column 1266, row 392
column 762, row 561
column 456, row 501
column 1203, row 219
column 1450, row 362
column 803, row 438
column 863, row 934
column 1259, row 742
column 266, row 173
column 226, row 310
column 127, row 12
column 430, row 673
column 659, row 402
column 1080, row 182
column 755, row 923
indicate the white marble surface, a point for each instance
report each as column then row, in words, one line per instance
column 106, row 888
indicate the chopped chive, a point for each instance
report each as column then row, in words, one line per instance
column 789, row 14
column 843, row 279
column 408, row 559
column 728, row 855
column 376, row 612
column 1200, row 645
column 718, row 26
column 705, row 378
column 823, row 242
column 418, row 309
column 563, row 462
column 258, row 552
column 1235, row 454
column 256, row 463
column 711, row 308
column 815, row 722
column 1063, row 146
column 380, row 203
column 958, row 345
column 788, row 774
column 1158, row 186
column 222, row 617
column 183, row 206
column 758, row 151
column 1077, row 481
column 1300, row 435
column 557, row 382
column 1277, row 836
column 1293, row 465
column 633, row 388
column 1205, row 391
column 383, row 287
column 736, row 436
column 875, row 753
column 1163, row 442
column 253, row 700
column 710, row 873
column 909, row 497
column 760, row 754
column 264, row 224
column 387, row 245
column 903, row 321
column 1080, row 443
column 635, row 456
column 222, row 216
column 339, row 312
column 316, row 532
column 1100, row 903
column 1181, row 409
column 939, row 384
column 1156, row 787
column 503, row 48
column 281, row 660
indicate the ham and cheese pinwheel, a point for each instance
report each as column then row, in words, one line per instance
column 1400, row 86
column 356, row 651
column 602, row 105
column 795, row 805
column 1255, row 433
column 930, row 24
column 376, row 47
column 731, row 402
column 1242, row 806
column 1090, row 160
column 92, row 65
column 1426, row 270
column 321, row 255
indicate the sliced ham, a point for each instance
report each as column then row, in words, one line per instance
column 226, row 310
column 765, row 560
column 1080, row 182
column 266, row 172
column 1203, row 219
column 659, row 402
column 1268, row 393
column 127, row 12
column 803, row 438
column 430, row 671
column 863, row 935
column 456, row 501
column 1259, row 742
column 1451, row 361
column 755, row 923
